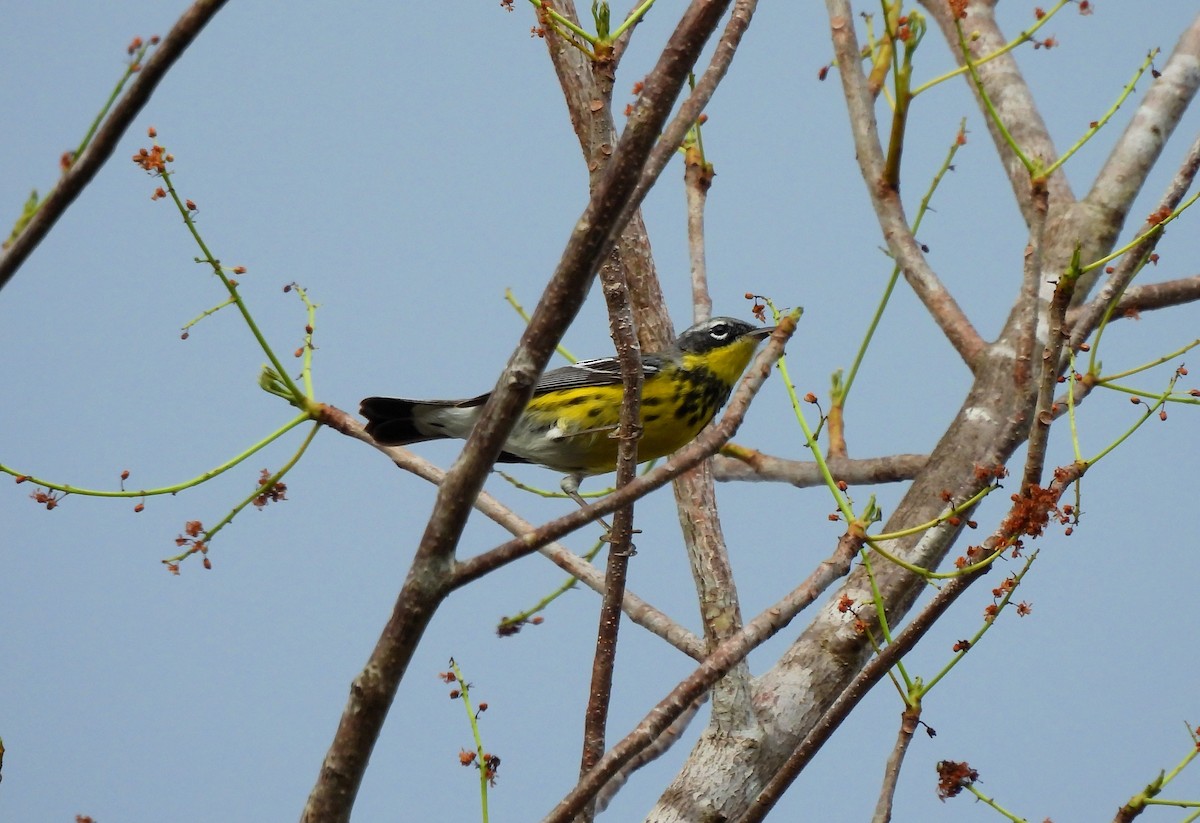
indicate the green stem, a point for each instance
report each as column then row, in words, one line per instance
column 987, row 624
column 300, row 398
column 1023, row 37
column 941, row 518
column 1155, row 229
column 522, row 617
column 887, row 292
column 512, row 301
column 994, row 805
column 634, row 17
column 1071, row 418
column 465, row 696
column 558, row 19
column 1099, row 124
column 842, row 503
column 173, row 489
column 1148, row 395
column 261, row 488
column 1029, row 165
column 136, row 60
column 1162, row 398
column 1156, row 362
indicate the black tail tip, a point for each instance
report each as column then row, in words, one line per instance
column 389, row 420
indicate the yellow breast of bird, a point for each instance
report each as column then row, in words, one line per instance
column 571, row 430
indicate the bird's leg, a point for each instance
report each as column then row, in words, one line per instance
column 570, row 487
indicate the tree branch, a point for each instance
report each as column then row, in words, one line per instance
column 739, row 463
column 888, row 209
column 909, row 719
column 588, row 92
column 587, row 89
column 1011, row 97
column 616, row 295
column 723, row 658
column 879, row 665
column 1141, row 144
column 1151, row 296
column 696, row 499
column 706, row 86
column 613, row 201
column 638, row 610
column 1089, row 316
column 186, row 29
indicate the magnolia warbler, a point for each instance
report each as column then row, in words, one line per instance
column 569, row 421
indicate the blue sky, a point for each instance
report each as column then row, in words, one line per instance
column 406, row 163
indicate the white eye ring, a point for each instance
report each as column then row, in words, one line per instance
column 719, row 331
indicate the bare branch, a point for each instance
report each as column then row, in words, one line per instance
column 696, row 496
column 186, row 29
column 668, row 738
column 1135, row 154
column 1152, row 296
column 886, row 200
column 697, row 178
column 1089, row 316
column 706, row 86
column 587, row 90
column 613, row 201
column 739, row 463
column 716, row 593
column 616, row 295
column 723, row 658
column 909, row 719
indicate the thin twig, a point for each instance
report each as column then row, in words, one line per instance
column 909, row 719
column 85, row 167
column 691, row 108
column 696, row 496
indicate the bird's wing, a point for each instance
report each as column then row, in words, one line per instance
column 603, row 371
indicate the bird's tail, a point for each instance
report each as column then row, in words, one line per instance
column 390, row 421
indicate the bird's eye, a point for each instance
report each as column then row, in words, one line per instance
column 720, row 331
